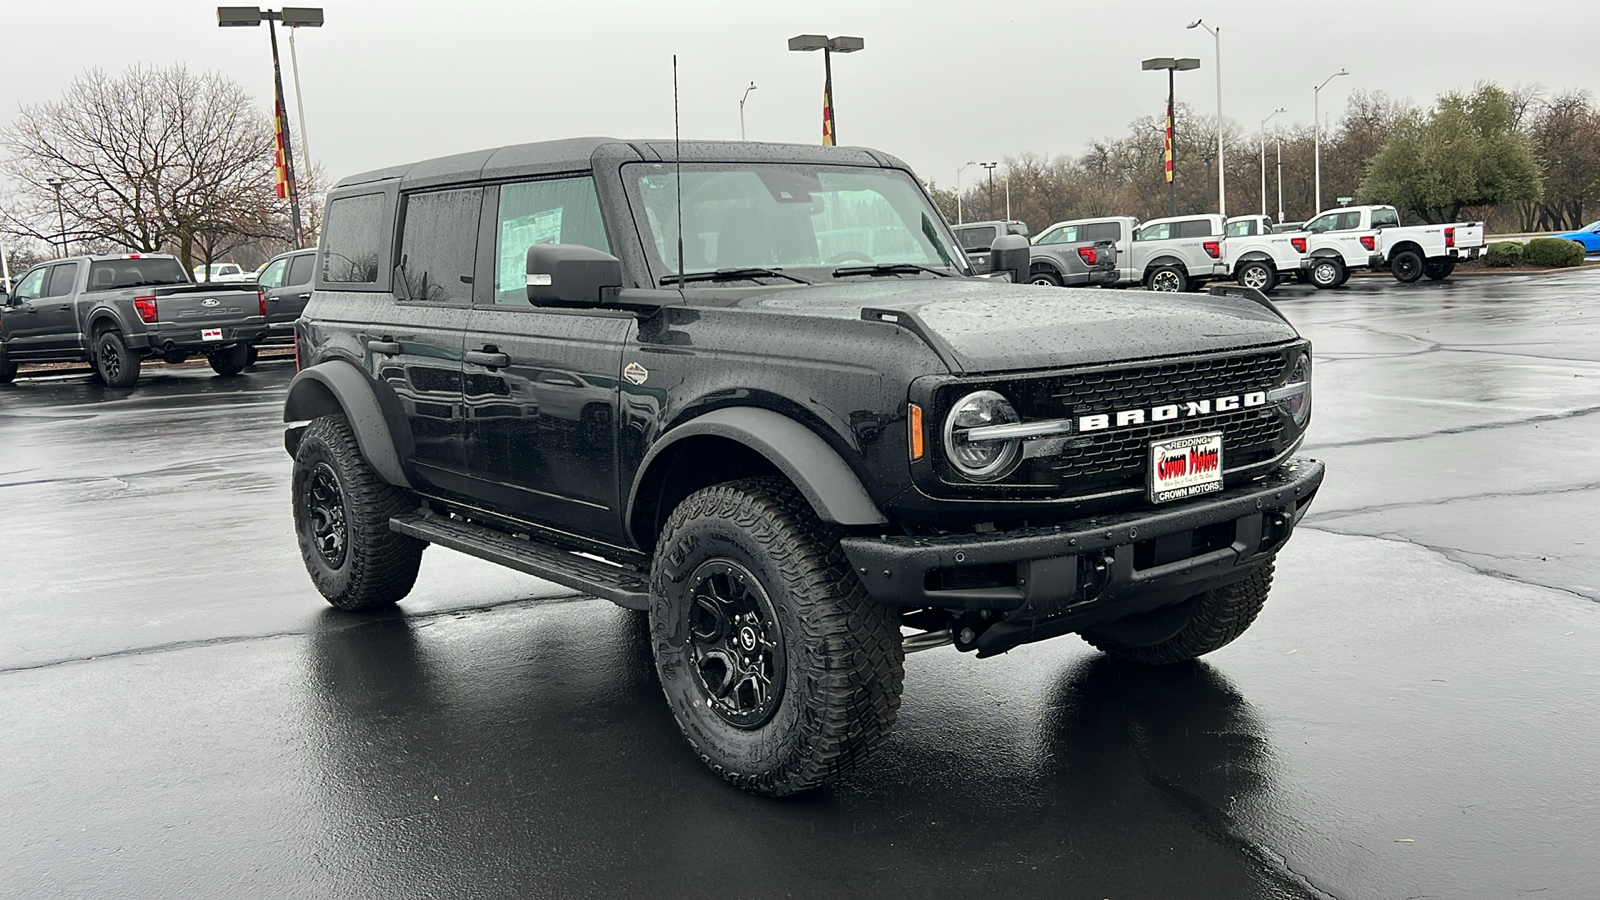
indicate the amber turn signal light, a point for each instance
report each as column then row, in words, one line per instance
column 914, row 420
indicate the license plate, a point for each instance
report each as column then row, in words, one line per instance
column 211, row 334
column 1185, row 467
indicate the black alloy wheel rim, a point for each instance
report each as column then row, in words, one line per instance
column 1406, row 266
column 735, row 647
column 110, row 359
column 324, row 508
column 1165, row 281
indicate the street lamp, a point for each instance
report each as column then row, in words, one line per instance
column 1222, row 159
column 741, row 108
column 990, row 166
column 828, row 46
column 61, row 217
column 963, row 168
column 1316, row 107
column 1170, row 65
column 292, row 18
column 1264, row 165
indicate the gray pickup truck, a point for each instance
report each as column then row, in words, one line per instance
column 1059, row 258
column 115, row 311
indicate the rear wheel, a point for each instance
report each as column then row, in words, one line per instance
column 780, row 672
column 1258, row 274
column 117, row 365
column 230, row 361
column 341, row 518
column 1406, row 266
column 1439, row 270
column 1044, row 276
column 1169, row 279
column 250, row 356
column 1327, row 272
column 8, row 366
column 1183, row 631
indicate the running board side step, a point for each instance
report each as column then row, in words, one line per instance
column 624, row 587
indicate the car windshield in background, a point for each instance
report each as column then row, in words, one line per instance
column 111, row 274
column 817, row 222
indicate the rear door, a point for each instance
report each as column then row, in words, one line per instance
column 540, row 384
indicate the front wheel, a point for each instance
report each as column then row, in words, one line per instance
column 117, row 366
column 230, row 361
column 1183, row 631
column 1045, row 277
column 1259, row 275
column 1440, row 270
column 342, row 510
column 779, row 670
column 1406, row 266
column 1327, row 272
column 1168, row 279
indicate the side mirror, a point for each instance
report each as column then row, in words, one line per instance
column 570, row 275
column 1011, row 253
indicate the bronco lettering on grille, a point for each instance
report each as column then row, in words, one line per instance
column 1171, row 411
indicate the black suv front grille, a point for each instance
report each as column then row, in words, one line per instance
column 1117, row 458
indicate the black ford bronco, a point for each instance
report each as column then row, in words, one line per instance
column 757, row 391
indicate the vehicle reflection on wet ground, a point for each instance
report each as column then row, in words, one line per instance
column 1414, row 713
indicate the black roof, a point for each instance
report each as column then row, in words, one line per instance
column 581, row 154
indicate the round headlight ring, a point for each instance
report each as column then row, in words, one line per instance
column 1300, row 404
column 981, row 461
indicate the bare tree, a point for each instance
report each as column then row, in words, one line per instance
column 157, row 158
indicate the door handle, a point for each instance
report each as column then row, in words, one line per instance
column 488, row 358
column 304, row 297
column 386, row 348
column 64, row 307
column 273, row 298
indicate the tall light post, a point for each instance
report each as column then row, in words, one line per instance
column 1316, row 108
column 299, row 98
column 1279, row 139
column 1171, row 66
column 991, row 167
column 828, row 46
column 1264, row 164
column 1222, row 157
column 61, row 216
column 743, row 98
column 963, row 168
column 302, row 17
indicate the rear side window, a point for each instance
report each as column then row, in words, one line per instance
column 114, row 274
column 351, row 235
column 1154, row 232
column 300, row 269
column 558, row 211
column 439, row 246
column 1242, row 228
column 1385, row 218
column 1349, row 221
column 1100, row 231
column 1193, row 228
column 977, row 238
column 61, row 280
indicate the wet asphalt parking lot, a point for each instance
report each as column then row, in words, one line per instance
column 1415, row 714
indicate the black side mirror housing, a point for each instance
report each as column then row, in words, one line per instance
column 1011, row 253
column 571, row 275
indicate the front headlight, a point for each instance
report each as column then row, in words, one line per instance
column 1299, row 388
column 969, row 442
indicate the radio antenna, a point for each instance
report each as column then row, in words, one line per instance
column 677, row 153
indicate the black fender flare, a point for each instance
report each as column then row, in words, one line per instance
column 1326, row 251
column 337, row 387
column 1162, row 261
column 1046, row 262
column 823, row 478
column 1254, row 256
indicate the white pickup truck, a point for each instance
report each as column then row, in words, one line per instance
column 1260, row 258
column 1174, row 254
column 1371, row 237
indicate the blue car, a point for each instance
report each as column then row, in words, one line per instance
column 1588, row 236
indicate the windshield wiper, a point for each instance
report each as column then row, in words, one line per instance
column 887, row 269
column 734, row 275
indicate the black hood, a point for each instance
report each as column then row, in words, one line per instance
column 986, row 326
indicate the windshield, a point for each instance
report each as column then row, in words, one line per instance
column 810, row 220
column 108, row 275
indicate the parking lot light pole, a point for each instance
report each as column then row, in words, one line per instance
column 1279, row 139
column 1316, row 112
column 990, row 166
column 745, row 96
column 963, row 168
column 1222, row 156
column 1170, row 65
column 56, row 182
column 291, row 17
column 1264, row 166
column 828, row 46
column 299, row 98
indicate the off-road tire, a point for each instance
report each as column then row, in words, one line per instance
column 1201, row 624
column 230, row 361
column 842, row 662
column 378, row 566
column 1171, row 279
column 8, row 366
column 1406, row 266
column 116, row 365
column 1327, row 273
column 1044, row 276
column 1439, row 271
column 1258, row 274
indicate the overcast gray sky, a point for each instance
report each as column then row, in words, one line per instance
column 939, row 82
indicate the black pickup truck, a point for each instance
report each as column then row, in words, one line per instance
column 115, row 311
column 756, row 391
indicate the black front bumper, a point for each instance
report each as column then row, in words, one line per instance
column 1042, row 582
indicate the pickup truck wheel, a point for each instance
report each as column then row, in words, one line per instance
column 1259, row 275
column 230, row 361
column 341, row 518
column 1406, row 266
column 1170, row 279
column 8, row 366
column 1183, row 631
column 779, row 670
column 1327, row 272
column 117, row 365
column 1044, row 276
column 250, row 356
column 1439, row 271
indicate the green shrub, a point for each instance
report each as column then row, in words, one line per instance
column 1552, row 252
column 1503, row 253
